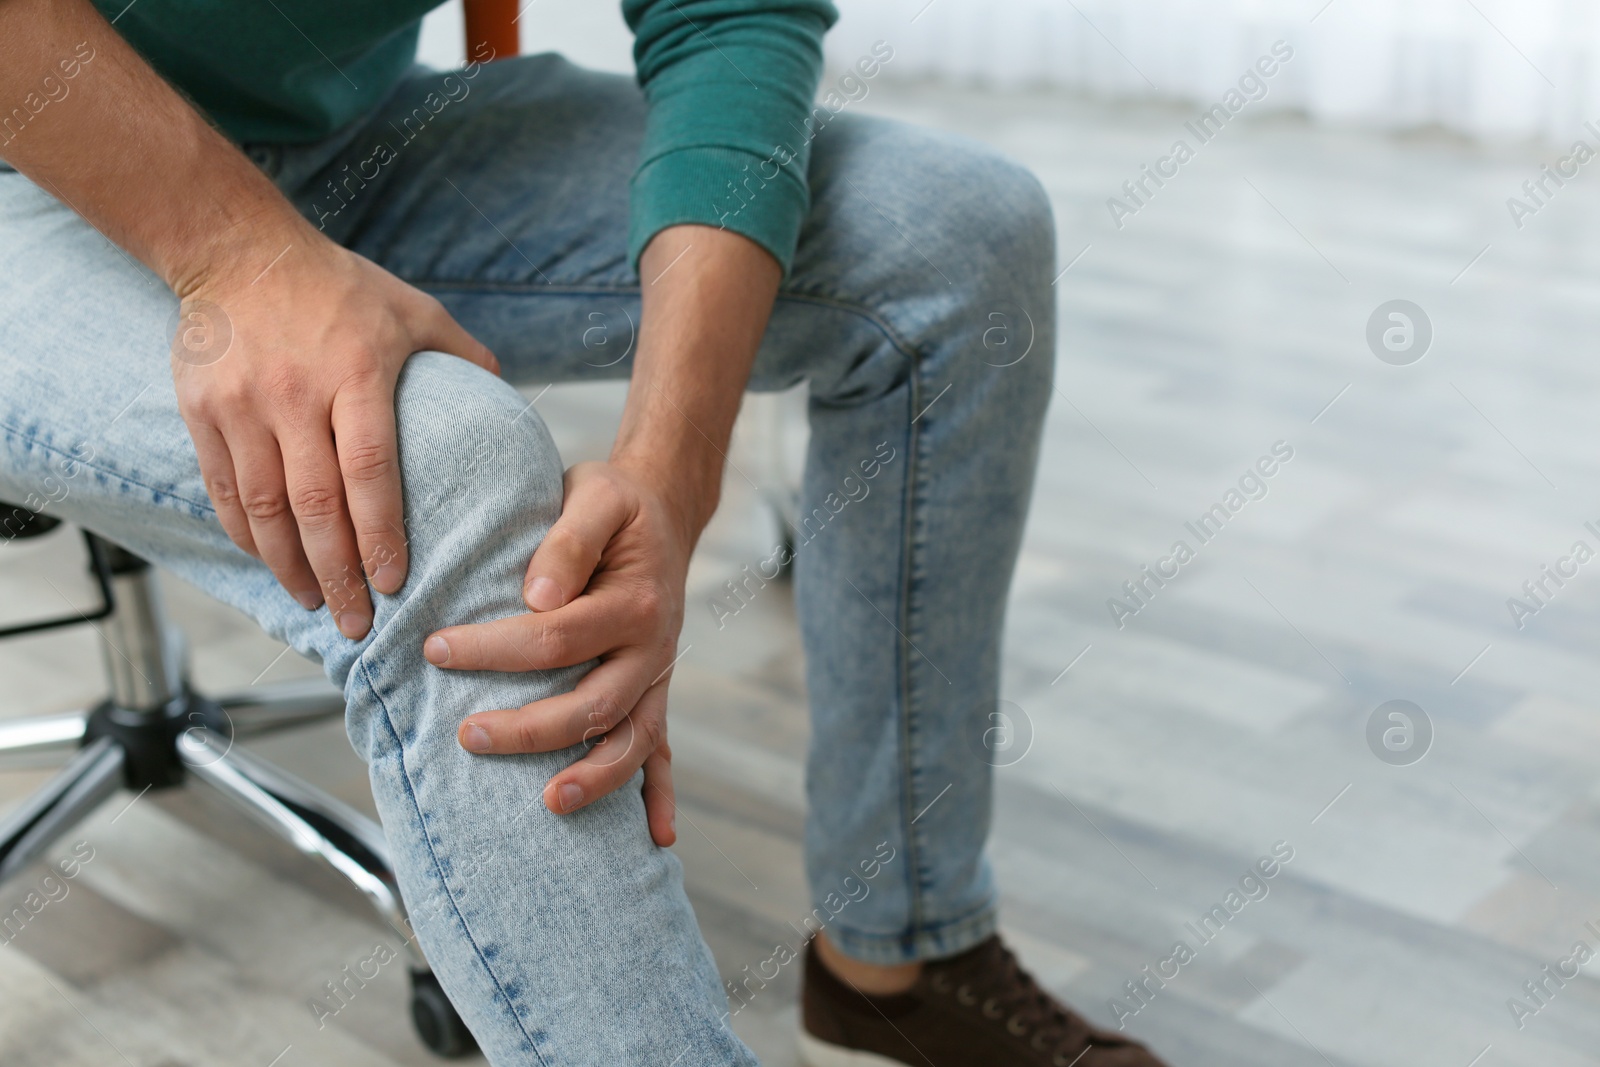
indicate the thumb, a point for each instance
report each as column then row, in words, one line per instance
column 440, row 332
column 594, row 510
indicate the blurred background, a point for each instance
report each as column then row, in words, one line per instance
column 1368, row 268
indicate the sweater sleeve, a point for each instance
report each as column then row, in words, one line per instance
column 729, row 87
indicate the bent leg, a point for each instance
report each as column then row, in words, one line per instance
column 920, row 310
column 562, row 940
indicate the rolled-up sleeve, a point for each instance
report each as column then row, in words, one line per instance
column 729, row 85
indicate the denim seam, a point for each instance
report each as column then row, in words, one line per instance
column 909, row 769
column 30, row 441
column 427, row 837
column 872, row 315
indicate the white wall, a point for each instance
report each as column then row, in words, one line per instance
column 1498, row 68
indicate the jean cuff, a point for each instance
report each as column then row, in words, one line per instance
column 926, row 942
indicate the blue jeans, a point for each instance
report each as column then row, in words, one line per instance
column 920, row 312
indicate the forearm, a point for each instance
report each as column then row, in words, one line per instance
column 122, row 148
column 707, row 294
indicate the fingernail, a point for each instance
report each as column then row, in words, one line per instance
column 542, row 594
column 436, row 650
column 388, row 578
column 353, row 624
column 309, row 599
column 569, row 796
column 475, row 738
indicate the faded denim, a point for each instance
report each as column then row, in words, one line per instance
column 920, row 311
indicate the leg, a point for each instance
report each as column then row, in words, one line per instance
column 920, row 310
column 946, row 252
column 538, row 926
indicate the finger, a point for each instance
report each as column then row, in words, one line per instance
column 609, row 764
column 440, row 332
column 565, row 560
column 316, row 495
column 588, row 627
column 364, row 433
column 265, row 502
column 660, row 799
column 222, row 485
column 598, row 703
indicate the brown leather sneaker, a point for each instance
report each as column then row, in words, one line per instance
column 978, row 1009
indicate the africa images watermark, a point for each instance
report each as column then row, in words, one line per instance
column 1538, row 192
column 1252, row 887
column 52, row 888
column 852, row 890
column 741, row 591
column 342, row 190
column 1251, row 88
column 1142, row 588
column 1555, row 574
column 51, row 90
column 1552, row 978
column 339, row 991
column 849, row 88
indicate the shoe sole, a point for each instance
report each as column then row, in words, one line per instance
column 815, row 1053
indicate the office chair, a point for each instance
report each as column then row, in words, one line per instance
column 155, row 731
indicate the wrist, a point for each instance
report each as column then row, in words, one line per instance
column 232, row 251
column 687, row 476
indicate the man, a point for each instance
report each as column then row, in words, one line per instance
column 345, row 252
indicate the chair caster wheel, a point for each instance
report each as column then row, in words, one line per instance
column 435, row 1018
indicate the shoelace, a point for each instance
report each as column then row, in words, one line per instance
column 1027, row 1009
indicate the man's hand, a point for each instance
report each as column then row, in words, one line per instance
column 606, row 583
column 288, row 346
column 286, row 381
column 608, row 580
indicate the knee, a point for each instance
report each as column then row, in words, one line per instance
column 979, row 225
column 1002, row 212
column 482, row 483
column 987, row 215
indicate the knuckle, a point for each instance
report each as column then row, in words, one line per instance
column 653, row 730
column 650, row 599
column 551, row 643
column 610, row 490
column 224, row 493
column 564, row 542
column 525, row 733
column 366, row 461
column 264, row 507
column 314, row 502
column 432, row 309
column 606, row 709
column 287, row 385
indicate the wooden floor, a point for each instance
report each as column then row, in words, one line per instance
column 1229, row 714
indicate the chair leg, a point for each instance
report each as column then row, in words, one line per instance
column 264, row 708
column 60, row 804
column 41, row 740
column 316, row 824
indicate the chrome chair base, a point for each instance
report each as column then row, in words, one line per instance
column 156, row 732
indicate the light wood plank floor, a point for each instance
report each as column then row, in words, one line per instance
column 1230, row 713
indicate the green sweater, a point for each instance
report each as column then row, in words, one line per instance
column 729, row 85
